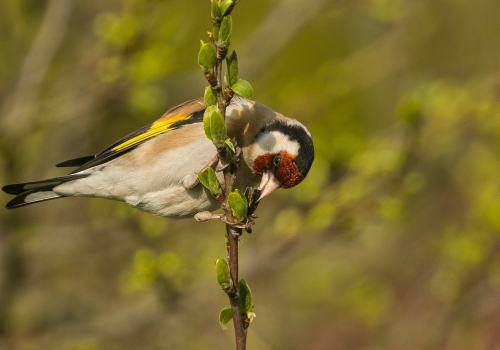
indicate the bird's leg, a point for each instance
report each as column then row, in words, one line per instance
column 212, row 162
column 252, row 195
column 191, row 179
column 247, row 226
column 204, row 216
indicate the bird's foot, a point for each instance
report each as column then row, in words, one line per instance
column 214, row 160
column 190, row 180
column 204, row 216
column 244, row 226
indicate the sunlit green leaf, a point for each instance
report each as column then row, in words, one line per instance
column 225, row 316
column 207, row 122
column 203, row 177
column 207, row 58
column 225, row 30
column 232, row 68
column 224, row 6
column 238, row 205
column 215, row 31
column 216, row 13
column 243, row 88
column 214, row 125
column 209, row 97
column 213, row 183
column 218, row 127
column 222, row 273
column 242, row 195
column 245, row 293
column 230, row 145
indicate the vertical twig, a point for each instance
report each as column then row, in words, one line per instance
column 232, row 233
column 235, row 204
column 240, row 331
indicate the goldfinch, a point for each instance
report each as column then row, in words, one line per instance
column 155, row 168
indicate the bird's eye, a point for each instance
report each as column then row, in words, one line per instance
column 277, row 160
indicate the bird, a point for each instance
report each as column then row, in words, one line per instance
column 154, row 169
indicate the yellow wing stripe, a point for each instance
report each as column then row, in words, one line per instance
column 157, row 128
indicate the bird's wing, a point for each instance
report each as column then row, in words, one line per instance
column 187, row 113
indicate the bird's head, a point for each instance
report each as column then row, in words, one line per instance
column 282, row 154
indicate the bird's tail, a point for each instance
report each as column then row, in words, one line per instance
column 38, row 191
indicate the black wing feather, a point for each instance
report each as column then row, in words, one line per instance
column 108, row 154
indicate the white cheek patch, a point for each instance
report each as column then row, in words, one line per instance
column 274, row 142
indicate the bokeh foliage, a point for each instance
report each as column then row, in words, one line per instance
column 390, row 243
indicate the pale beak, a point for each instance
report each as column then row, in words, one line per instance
column 268, row 184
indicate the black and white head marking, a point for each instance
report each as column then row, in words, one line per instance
column 287, row 135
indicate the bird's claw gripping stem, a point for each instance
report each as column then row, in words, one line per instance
column 204, row 216
column 247, row 227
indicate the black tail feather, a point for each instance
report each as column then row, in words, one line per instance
column 30, row 197
column 44, row 185
column 75, row 162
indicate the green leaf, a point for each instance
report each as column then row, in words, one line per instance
column 246, row 301
column 225, row 31
column 230, row 144
column 206, row 122
column 238, row 205
column 218, row 129
column 225, row 316
column 207, row 58
column 214, row 125
column 232, row 68
column 209, row 180
column 203, row 177
column 243, row 88
column 216, row 13
column 222, row 273
column 216, row 31
column 224, row 5
column 213, row 183
column 209, row 97
column 243, row 197
column 201, row 43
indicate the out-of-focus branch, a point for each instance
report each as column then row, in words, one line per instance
column 20, row 113
column 277, row 30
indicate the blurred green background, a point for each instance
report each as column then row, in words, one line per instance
column 392, row 241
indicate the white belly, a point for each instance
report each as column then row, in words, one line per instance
column 149, row 178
